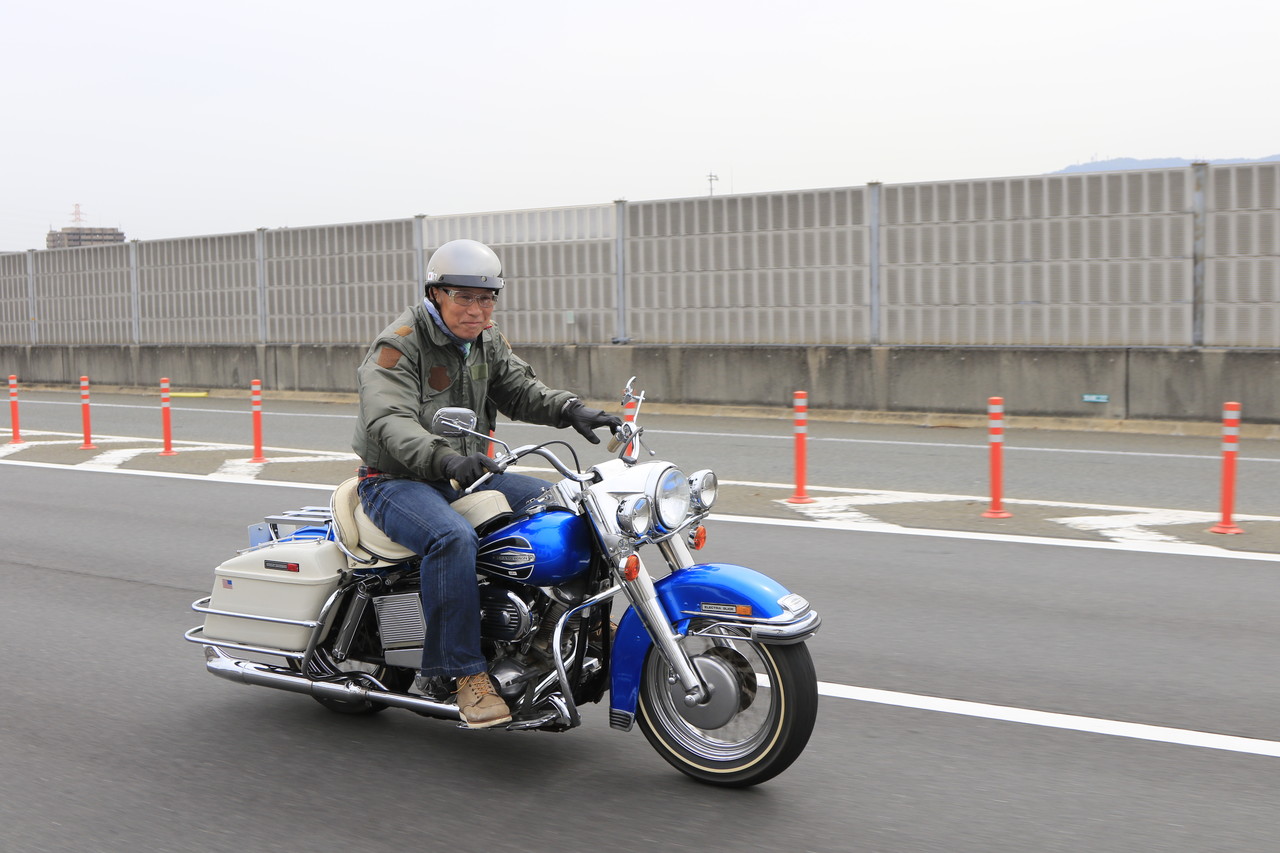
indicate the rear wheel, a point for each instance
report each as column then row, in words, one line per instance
column 757, row 722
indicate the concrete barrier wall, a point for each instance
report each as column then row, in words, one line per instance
column 1097, row 382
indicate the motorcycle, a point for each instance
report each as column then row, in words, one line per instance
column 709, row 660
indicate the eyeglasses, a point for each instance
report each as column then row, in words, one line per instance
column 466, row 300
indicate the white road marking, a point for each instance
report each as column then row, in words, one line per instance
column 1129, row 524
column 1177, row 549
column 173, row 475
column 810, row 437
column 787, row 436
column 1114, row 728
column 1135, row 527
column 1027, row 716
column 115, row 458
column 266, row 411
column 1127, row 528
column 10, row 449
column 238, row 469
column 1174, row 549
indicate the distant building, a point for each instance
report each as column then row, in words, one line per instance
column 77, row 235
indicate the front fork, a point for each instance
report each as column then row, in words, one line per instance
column 644, row 598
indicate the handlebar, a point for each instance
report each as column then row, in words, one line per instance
column 508, row 459
column 451, row 422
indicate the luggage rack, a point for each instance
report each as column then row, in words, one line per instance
column 316, row 626
column 268, row 530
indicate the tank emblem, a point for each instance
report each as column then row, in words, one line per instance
column 510, row 557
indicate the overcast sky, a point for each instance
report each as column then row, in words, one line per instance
column 169, row 118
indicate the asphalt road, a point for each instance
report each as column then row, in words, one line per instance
column 996, row 680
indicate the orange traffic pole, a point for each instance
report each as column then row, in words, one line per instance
column 995, row 437
column 13, row 410
column 166, row 424
column 1230, row 446
column 802, row 461
column 257, row 421
column 84, row 410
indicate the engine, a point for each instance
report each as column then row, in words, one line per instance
column 505, row 616
column 520, row 623
column 517, row 626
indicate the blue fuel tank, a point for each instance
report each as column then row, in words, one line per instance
column 546, row 549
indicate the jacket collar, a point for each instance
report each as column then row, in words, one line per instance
column 433, row 324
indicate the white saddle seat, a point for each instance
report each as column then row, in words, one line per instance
column 363, row 541
column 367, row 546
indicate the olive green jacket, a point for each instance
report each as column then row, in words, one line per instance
column 413, row 369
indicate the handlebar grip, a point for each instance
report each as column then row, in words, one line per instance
column 469, row 489
column 614, row 444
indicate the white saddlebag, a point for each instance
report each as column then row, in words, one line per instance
column 285, row 580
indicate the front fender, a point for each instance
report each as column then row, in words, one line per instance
column 721, row 590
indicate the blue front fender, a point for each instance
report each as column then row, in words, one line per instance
column 710, row 590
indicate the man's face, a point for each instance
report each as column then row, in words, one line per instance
column 465, row 321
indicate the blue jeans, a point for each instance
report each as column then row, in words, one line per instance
column 417, row 515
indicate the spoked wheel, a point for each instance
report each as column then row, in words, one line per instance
column 759, row 717
column 323, row 666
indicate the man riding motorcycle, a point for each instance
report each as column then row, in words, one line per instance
column 446, row 351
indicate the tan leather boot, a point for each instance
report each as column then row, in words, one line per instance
column 480, row 706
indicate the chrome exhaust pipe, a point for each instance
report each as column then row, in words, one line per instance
column 264, row 675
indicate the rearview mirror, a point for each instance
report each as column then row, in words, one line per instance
column 453, row 421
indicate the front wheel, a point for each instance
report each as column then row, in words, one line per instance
column 758, row 720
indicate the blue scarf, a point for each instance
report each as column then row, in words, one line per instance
column 464, row 346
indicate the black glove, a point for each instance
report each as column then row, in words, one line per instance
column 465, row 470
column 586, row 420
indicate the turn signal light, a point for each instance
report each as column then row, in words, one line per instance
column 631, row 568
column 698, row 538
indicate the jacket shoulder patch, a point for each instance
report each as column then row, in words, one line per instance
column 388, row 357
column 404, row 331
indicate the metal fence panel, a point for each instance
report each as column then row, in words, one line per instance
column 337, row 283
column 198, row 290
column 772, row 268
column 15, row 305
column 84, row 295
column 1242, row 273
column 996, row 262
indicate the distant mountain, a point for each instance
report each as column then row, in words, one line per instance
column 1129, row 163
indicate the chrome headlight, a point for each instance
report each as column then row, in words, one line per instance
column 702, row 488
column 671, row 498
column 635, row 515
